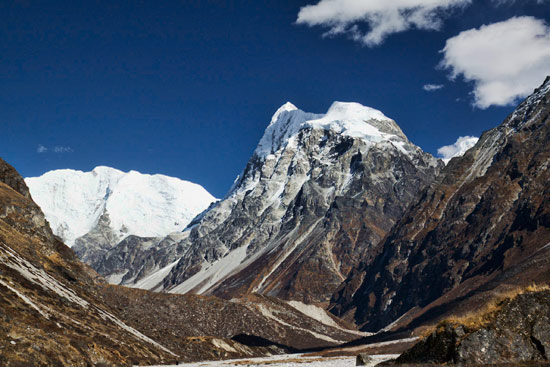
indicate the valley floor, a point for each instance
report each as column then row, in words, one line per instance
column 289, row 360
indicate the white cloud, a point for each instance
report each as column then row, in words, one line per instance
column 457, row 149
column 59, row 149
column 505, row 60
column 41, row 149
column 511, row 2
column 383, row 17
column 432, row 87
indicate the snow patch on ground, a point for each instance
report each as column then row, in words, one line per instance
column 219, row 343
column 116, row 278
column 319, row 314
column 154, row 280
column 210, row 274
column 267, row 313
column 290, row 360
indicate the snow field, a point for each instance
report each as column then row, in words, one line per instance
column 289, row 360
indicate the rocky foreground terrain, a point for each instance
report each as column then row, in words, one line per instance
column 255, row 321
column 514, row 330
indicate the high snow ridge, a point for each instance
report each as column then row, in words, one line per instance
column 144, row 205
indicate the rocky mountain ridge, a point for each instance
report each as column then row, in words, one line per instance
column 516, row 331
column 318, row 193
column 481, row 224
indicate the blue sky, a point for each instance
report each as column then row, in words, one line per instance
column 186, row 88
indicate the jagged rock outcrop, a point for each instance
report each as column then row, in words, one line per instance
column 485, row 220
column 319, row 193
column 10, row 177
column 519, row 331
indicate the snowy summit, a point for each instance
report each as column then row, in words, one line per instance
column 134, row 203
column 346, row 118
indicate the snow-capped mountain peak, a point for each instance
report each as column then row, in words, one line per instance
column 346, row 118
column 287, row 107
column 353, row 111
column 74, row 202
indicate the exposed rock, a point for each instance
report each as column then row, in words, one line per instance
column 10, row 177
column 91, row 247
column 485, row 221
column 363, row 359
column 518, row 332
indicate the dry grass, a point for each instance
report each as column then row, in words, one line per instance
column 477, row 319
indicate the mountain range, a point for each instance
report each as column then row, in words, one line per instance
column 336, row 211
column 319, row 192
column 56, row 311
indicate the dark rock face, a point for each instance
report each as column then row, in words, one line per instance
column 519, row 332
column 298, row 219
column 485, row 218
column 91, row 247
column 438, row 347
column 10, row 177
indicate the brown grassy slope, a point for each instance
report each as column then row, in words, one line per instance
column 170, row 318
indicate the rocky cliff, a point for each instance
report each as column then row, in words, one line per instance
column 516, row 330
column 319, row 193
column 484, row 221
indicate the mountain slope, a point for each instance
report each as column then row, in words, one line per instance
column 484, row 222
column 174, row 317
column 49, row 313
column 93, row 211
column 319, row 192
column 55, row 311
